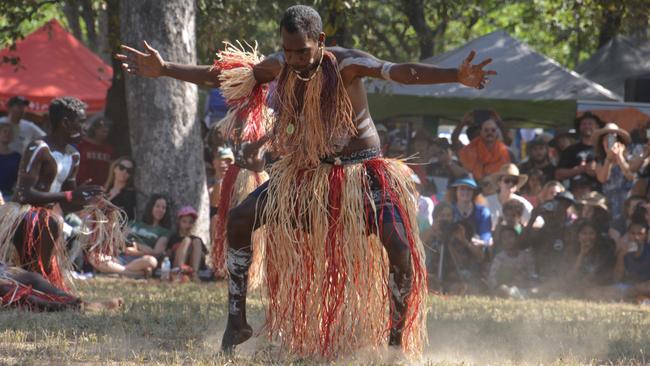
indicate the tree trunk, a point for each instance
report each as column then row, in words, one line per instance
column 611, row 24
column 115, row 109
column 71, row 11
column 414, row 11
column 165, row 134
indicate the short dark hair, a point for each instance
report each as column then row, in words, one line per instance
column 147, row 216
column 302, row 18
column 63, row 107
column 587, row 115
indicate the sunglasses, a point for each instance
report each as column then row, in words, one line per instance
column 125, row 168
column 510, row 180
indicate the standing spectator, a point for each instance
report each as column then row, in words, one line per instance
column 612, row 169
column 9, row 161
column 150, row 236
column 443, row 168
column 485, row 154
column 464, row 194
column 24, row 131
column 95, row 155
column 222, row 158
column 119, row 186
column 579, row 158
column 538, row 158
column 508, row 181
column 183, row 248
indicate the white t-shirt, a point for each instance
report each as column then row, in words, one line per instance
column 494, row 205
column 24, row 133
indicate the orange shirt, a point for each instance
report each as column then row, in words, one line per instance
column 482, row 161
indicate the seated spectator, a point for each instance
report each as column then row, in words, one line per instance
column 485, row 154
column 594, row 208
column 632, row 268
column 538, row 158
column 464, row 195
column 130, row 264
column 633, row 209
column 442, row 168
column 221, row 160
column 95, row 155
column 513, row 211
column 119, row 186
column 512, row 269
column 612, row 168
column 508, row 181
column 150, row 236
column 463, row 260
column 432, row 238
column 593, row 259
column 533, row 187
column 9, row 161
column 549, row 243
column 183, row 248
column 579, row 159
column 24, row 131
column 581, row 185
column 549, row 191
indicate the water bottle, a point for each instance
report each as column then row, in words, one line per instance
column 165, row 270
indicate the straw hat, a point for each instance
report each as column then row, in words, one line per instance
column 510, row 170
column 610, row 128
column 594, row 199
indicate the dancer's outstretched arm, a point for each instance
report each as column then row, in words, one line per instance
column 149, row 63
column 362, row 64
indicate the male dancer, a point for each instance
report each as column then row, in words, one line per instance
column 30, row 227
column 329, row 197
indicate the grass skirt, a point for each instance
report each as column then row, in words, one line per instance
column 237, row 184
column 327, row 279
column 37, row 225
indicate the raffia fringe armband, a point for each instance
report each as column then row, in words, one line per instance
column 247, row 118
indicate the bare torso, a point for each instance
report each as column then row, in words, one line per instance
column 366, row 136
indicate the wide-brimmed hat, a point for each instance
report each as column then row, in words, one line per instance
column 594, row 199
column 510, row 170
column 610, row 128
column 465, row 181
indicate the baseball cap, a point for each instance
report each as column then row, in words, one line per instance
column 17, row 100
column 187, row 211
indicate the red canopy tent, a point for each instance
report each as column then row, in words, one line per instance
column 53, row 63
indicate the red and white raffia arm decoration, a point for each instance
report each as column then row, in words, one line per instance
column 103, row 229
column 248, row 116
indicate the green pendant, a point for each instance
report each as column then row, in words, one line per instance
column 291, row 129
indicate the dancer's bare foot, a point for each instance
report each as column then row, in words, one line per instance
column 110, row 304
column 234, row 335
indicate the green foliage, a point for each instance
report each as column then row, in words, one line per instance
column 566, row 30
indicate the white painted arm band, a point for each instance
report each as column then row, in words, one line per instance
column 385, row 70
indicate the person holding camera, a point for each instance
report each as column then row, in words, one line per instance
column 579, row 159
column 612, row 168
column 549, row 243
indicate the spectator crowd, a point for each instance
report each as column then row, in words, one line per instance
column 569, row 219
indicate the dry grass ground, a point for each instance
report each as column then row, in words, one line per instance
column 182, row 324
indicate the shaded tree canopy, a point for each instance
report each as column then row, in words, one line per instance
column 566, row 30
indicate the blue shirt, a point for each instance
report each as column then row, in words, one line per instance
column 481, row 221
column 8, row 172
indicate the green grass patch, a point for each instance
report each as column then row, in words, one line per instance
column 165, row 324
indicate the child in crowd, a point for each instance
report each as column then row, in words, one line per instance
column 183, row 248
column 512, row 268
